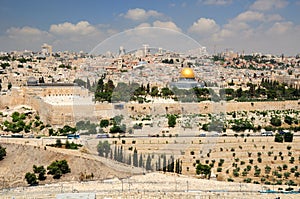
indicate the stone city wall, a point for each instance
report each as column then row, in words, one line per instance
column 70, row 114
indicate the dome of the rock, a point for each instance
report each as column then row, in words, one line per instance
column 187, row 73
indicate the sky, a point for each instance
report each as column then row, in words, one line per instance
column 250, row 26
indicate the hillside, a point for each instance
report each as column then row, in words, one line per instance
column 21, row 157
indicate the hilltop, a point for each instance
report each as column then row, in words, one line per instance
column 22, row 155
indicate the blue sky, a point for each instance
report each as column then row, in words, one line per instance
column 267, row 26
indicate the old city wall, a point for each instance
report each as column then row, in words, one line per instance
column 208, row 107
column 70, row 114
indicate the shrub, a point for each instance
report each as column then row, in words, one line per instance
column 267, row 169
column 275, row 121
column 259, row 160
column 258, row 154
column 279, row 182
column 31, row 179
column 286, row 175
column 257, row 173
column 2, row 152
column 297, row 174
column 58, row 168
column 288, row 137
column 203, row 169
column 248, row 167
column 248, row 180
column 236, row 174
column 293, row 170
column 278, row 138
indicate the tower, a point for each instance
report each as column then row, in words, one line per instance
column 145, row 49
column 47, row 50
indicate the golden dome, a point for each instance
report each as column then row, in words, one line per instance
column 187, row 73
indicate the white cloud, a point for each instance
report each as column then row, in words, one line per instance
column 274, row 17
column 204, row 26
column 168, row 24
column 281, row 28
column 216, row 2
column 24, row 38
column 81, row 28
column 139, row 14
column 222, row 34
column 250, row 16
column 65, row 36
column 264, row 5
column 25, row 31
column 144, row 25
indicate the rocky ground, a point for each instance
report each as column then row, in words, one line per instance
column 111, row 179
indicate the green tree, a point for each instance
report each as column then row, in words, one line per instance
column 57, row 168
column 58, row 143
column 275, row 121
column 278, row 138
column 164, row 163
column 288, row 137
column 31, row 179
column 148, row 163
column 9, row 85
column 2, row 152
column 103, row 148
column 141, row 163
column 171, row 120
column 288, row 120
column 204, row 170
column 41, row 171
column 154, row 91
column 135, row 158
column 104, row 123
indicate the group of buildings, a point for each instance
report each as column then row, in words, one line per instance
column 45, row 80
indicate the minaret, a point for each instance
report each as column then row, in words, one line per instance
column 145, row 49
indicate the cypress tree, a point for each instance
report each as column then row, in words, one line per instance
column 129, row 160
column 148, row 163
column 180, row 167
column 118, row 155
column 141, row 161
column 135, row 158
column 164, row 163
column 115, row 153
column 177, row 166
column 121, row 154
column 159, row 163
column 171, row 165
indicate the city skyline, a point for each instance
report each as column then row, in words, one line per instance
column 251, row 26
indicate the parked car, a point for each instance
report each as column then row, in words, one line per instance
column 267, row 133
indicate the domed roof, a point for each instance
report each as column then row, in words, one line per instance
column 31, row 81
column 187, row 73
